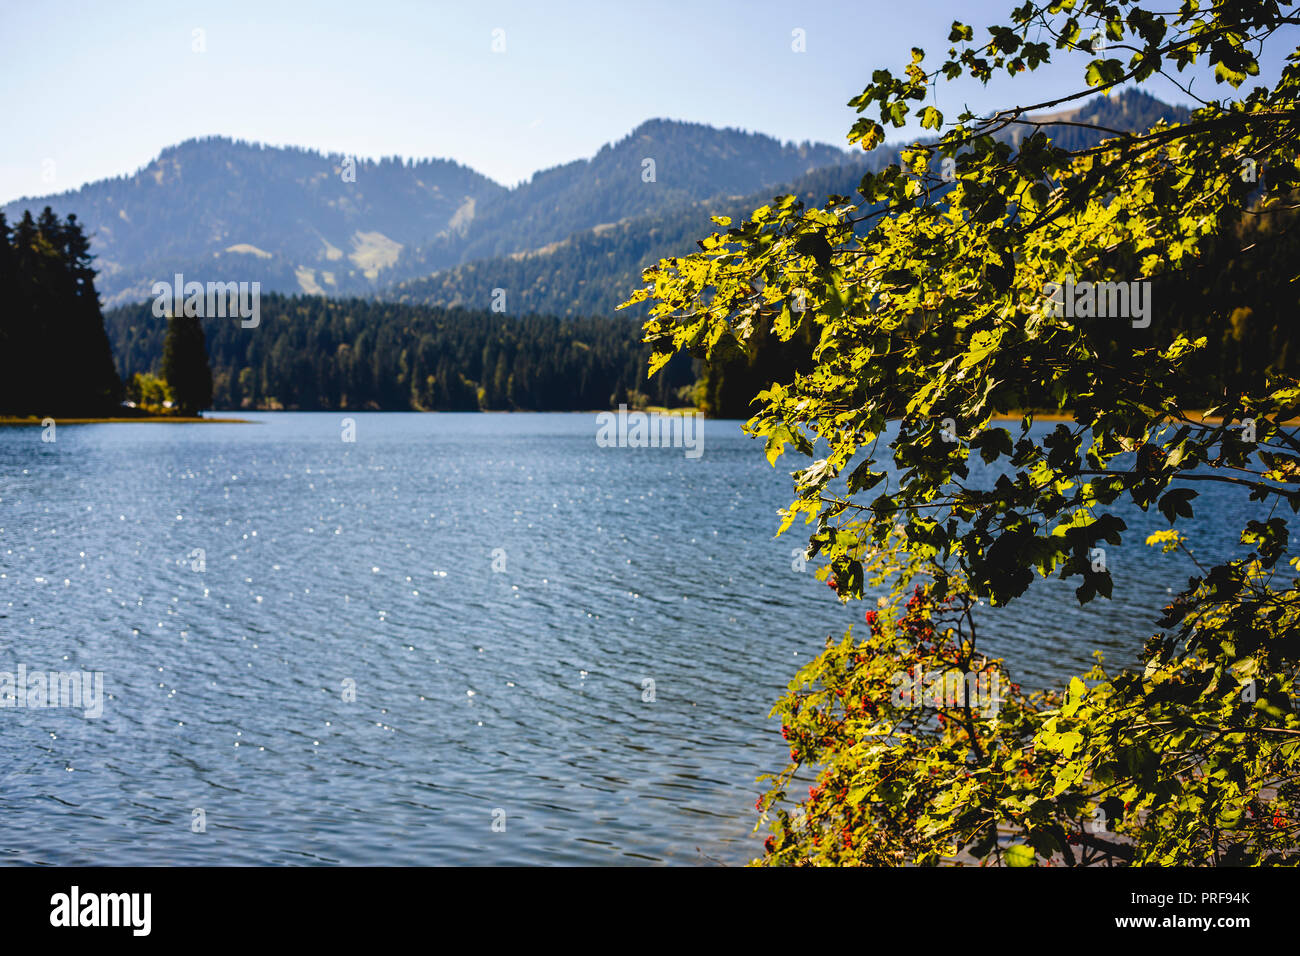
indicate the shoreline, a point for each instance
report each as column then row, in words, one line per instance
column 220, row 419
column 166, row 419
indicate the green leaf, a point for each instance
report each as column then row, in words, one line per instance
column 1018, row 855
column 1104, row 73
column 982, row 345
column 862, row 478
column 777, row 439
column 1174, row 504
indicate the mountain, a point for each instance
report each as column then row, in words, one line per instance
column 660, row 165
column 225, row 210
column 1130, row 110
column 591, row 271
column 570, row 241
column 217, row 209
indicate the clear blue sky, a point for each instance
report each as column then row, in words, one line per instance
column 100, row 88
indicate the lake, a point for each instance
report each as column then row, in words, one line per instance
column 431, row 645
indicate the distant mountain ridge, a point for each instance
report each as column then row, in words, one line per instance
column 660, row 165
column 591, row 271
column 572, row 240
column 570, row 243
column 225, row 209
column 288, row 217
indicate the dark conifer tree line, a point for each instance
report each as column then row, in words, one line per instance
column 54, row 354
column 313, row 353
column 308, row 352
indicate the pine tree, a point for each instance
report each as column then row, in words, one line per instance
column 11, row 315
column 185, row 365
column 54, row 353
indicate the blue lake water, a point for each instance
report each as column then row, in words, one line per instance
column 496, row 588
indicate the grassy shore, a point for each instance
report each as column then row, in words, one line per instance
column 173, row 419
column 665, row 410
column 653, row 409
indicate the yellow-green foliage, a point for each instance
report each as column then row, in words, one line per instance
column 147, row 391
column 927, row 297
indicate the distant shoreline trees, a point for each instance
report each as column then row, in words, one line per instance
column 57, row 350
column 314, row 353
